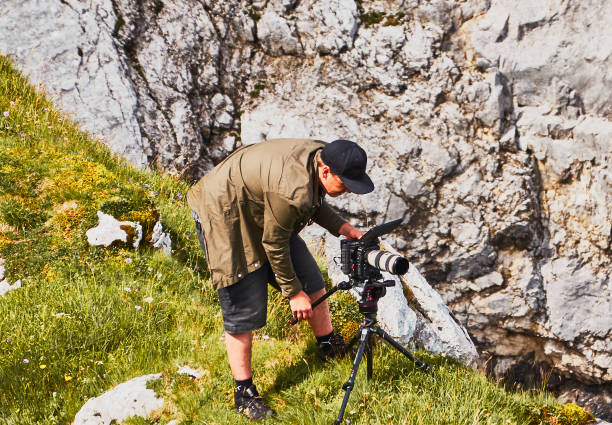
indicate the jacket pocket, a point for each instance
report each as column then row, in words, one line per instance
column 224, row 245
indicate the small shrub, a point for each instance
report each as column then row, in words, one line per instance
column 345, row 314
column 158, row 5
column 394, row 20
column 15, row 213
column 372, row 18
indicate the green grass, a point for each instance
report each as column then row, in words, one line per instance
column 82, row 323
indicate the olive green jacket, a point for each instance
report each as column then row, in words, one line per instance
column 253, row 202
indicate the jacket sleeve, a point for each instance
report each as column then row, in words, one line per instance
column 328, row 218
column 280, row 216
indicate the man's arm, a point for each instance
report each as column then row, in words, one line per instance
column 351, row 232
column 334, row 223
column 329, row 219
column 280, row 216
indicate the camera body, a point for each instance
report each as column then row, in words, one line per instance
column 353, row 258
column 362, row 260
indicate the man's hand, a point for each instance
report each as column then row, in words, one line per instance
column 351, row 232
column 300, row 306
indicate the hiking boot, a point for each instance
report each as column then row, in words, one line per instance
column 334, row 348
column 250, row 404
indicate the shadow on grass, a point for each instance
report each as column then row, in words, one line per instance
column 388, row 365
column 299, row 371
column 186, row 252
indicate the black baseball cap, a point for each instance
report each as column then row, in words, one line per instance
column 348, row 161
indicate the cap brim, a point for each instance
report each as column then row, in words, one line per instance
column 362, row 186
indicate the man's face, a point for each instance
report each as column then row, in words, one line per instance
column 332, row 183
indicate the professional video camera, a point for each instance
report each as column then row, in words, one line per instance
column 361, row 259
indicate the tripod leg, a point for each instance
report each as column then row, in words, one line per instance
column 369, row 357
column 348, row 385
column 384, row 335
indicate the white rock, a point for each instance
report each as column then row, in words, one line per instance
column 131, row 398
column 454, row 338
column 276, row 35
column 6, row 287
column 109, row 230
column 487, row 281
column 192, row 373
column 327, row 26
column 161, row 240
column 578, row 302
column 71, row 50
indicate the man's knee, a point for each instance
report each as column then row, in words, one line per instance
column 317, row 294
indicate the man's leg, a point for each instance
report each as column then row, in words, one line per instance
column 239, row 348
column 320, row 322
column 243, row 305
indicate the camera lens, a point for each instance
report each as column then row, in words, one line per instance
column 385, row 261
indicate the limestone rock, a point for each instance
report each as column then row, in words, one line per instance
column 328, row 26
column 161, row 240
column 276, row 35
column 5, row 286
column 131, row 398
column 68, row 48
column 109, row 230
column 192, row 373
column 453, row 338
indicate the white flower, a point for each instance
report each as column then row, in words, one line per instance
column 148, row 300
column 137, row 307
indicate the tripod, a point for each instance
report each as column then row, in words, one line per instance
column 368, row 306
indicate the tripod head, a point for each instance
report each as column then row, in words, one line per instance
column 371, row 293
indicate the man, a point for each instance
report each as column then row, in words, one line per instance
column 249, row 210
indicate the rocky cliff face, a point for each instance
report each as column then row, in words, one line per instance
column 488, row 125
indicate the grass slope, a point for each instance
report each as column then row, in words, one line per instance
column 89, row 318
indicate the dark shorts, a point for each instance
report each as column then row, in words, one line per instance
column 244, row 304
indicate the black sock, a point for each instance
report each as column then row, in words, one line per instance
column 241, row 385
column 324, row 338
